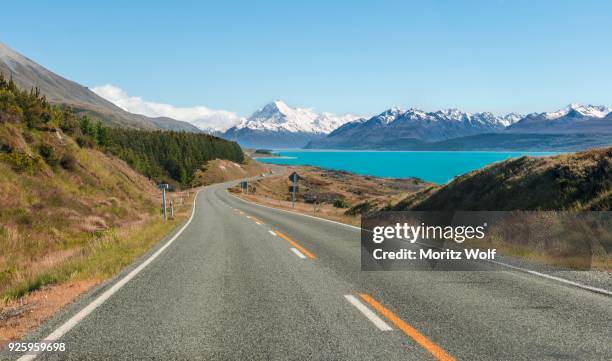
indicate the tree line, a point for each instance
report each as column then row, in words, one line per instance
column 164, row 156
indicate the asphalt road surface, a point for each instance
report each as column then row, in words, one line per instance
column 245, row 282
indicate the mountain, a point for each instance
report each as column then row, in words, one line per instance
column 573, row 119
column 578, row 181
column 278, row 125
column 28, row 74
column 412, row 127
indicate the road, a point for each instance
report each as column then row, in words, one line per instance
column 245, row 282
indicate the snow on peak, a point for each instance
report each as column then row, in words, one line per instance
column 278, row 116
column 591, row 111
column 448, row 116
column 390, row 115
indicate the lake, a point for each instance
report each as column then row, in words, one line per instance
column 436, row 167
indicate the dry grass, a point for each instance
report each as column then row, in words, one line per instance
column 219, row 171
column 65, row 227
column 320, row 189
column 54, row 220
column 17, row 317
column 577, row 181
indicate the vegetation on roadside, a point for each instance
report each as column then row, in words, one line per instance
column 337, row 195
column 578, row 181
column 69, row 208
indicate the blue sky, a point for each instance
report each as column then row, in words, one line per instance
column 342, row 56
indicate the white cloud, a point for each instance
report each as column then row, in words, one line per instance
column 200, row 116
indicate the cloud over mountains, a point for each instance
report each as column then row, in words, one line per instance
column 200, row 116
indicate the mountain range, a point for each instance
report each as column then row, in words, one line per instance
column 278, row 125
column 59, row 90
column 574, row 118
column 413, row 125
column 571, row 128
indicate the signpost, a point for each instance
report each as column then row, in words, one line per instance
column 163, row 188
column 293, row 177
column 244, row 185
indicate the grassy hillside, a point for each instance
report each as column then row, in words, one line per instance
column 219, row 170
column 67, row 211
column 579, row 181
column 172, row 157
column 165, row 156
column 78, row 200
column 70, row 208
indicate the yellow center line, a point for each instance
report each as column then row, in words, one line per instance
column 411, row 332
column 294, row 244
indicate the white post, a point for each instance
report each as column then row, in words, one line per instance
column 164, row 203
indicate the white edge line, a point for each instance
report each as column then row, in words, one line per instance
column 298, row 253
column 531, row 272
column 555, row 278
column 377, row 321
column 74, row 320
column 272, row 233
column 298, row 213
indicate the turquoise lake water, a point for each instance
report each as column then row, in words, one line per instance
column 437, row 167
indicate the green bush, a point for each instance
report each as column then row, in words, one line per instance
column 341, row 203
column 21, row 162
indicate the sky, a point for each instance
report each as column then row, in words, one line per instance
column 229, row 58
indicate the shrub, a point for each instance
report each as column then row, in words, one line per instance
column 341, row 203
column 84, row 142
column 360, row 209
column 21, row 162
column 68, row 162
column 47, row 152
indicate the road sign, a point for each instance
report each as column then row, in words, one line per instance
column 294, row 177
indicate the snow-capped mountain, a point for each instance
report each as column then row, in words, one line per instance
column 413, row 126
column 574, row 118
column 579, row 110
column 278, row 125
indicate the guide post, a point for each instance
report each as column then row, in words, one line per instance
column 294, row 177
column 163, row 188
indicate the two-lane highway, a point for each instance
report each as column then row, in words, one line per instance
column 246, row 282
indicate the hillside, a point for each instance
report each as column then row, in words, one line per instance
column 59, row 90
column 581, row 181
column 220, row 170
column 67, row 189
